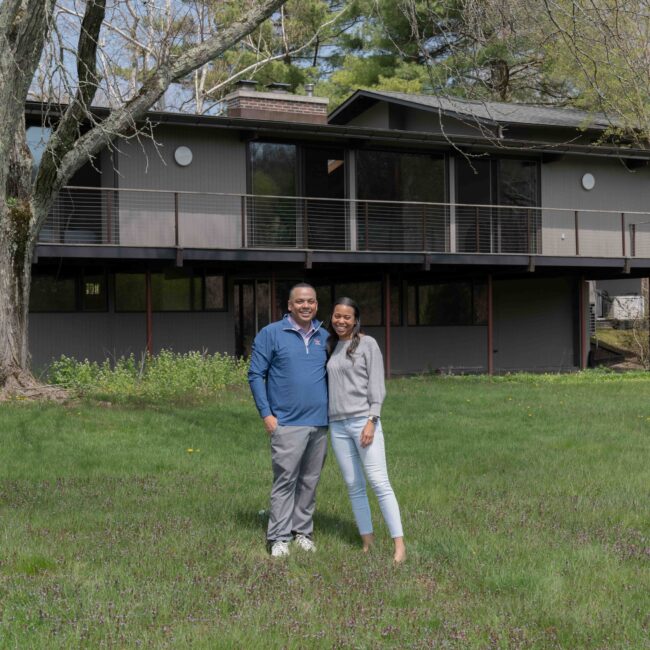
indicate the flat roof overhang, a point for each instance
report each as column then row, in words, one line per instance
column 594, row 266
column 358, row 136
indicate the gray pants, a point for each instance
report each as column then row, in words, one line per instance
column 297, row 454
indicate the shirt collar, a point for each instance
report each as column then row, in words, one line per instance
column 297, row 327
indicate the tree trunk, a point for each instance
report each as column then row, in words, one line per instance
column 15, row 278
column 24, row 29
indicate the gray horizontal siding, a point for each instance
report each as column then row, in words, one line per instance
column 109, row 336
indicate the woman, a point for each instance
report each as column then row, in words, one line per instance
column 355, row 373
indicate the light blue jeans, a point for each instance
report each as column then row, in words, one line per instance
column 353, row 460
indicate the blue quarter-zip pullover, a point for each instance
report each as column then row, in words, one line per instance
column 287, row 374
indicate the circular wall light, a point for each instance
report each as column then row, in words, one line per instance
column 183, row 156
column 588, row 182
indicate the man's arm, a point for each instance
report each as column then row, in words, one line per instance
column 261, row 357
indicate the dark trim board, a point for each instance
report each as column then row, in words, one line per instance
column 627, row 266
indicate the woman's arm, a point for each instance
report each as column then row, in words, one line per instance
column 376, row 385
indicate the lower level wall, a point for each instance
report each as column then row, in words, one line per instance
column 535, row 323
column 433, row 349
column 110, row 335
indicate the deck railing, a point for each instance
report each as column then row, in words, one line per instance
column 154, row 218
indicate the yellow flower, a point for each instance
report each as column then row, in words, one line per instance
column 190, row 450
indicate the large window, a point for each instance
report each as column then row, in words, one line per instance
column 272, row 216
column 68, row 291
column 279, row 173
column 408, row 179
column 447, row 303
column 368, row 295
column 53, row 293
column 170, row 291
column 497, row 182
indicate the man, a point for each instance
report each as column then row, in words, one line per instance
column 287, row 377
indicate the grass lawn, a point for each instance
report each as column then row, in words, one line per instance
column 619, row 338
column 526, row 507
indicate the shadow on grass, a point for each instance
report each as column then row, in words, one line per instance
column 324, row 523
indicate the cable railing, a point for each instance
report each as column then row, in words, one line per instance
column 157, row 218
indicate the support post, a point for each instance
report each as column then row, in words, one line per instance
column 583, row 338
column 577, row 230
column 274, row 308
column 149, row 307
column 490, row 328
column 633, row 239
column 623, row 233
column 478, row 231
column 387, row 311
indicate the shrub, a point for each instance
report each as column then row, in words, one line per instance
column 168, row 375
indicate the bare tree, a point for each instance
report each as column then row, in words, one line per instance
column 605, row 47
column 28, row 31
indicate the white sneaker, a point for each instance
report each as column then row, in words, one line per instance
column 279, row 549
column 305, row 543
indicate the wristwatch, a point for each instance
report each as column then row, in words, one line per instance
column 373, row 418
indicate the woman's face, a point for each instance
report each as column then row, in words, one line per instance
column 343, row 321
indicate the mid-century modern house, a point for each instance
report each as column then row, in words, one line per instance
column 467, row 231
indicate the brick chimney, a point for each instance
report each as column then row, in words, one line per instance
column 275, row 103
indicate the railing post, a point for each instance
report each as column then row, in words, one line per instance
column 109, row 217
column 478, row 231
column 305, row 224
column 623, row 233
column 365, row 219
column 633, row 239
column 528, row 238
column 176, row 236
column 577, row 230
column 424, row 228
column 243, row 221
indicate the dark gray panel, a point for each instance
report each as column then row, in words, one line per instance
column 212, row 332
column 376, row 117
column 108, row 336
column 534, row 322
column 429, row 349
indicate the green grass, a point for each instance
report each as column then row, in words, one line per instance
column 525, row 500
column 622, row 339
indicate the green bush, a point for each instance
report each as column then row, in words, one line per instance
column 166, row 376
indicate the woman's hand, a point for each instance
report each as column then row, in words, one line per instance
column 368, row 434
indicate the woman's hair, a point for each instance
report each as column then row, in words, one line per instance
column 356, row 332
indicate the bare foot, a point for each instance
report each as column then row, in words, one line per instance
column 400, row 551
column 368, row 541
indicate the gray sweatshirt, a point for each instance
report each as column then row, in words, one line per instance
column 356, row 389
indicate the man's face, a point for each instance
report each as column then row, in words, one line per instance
column 303, row 305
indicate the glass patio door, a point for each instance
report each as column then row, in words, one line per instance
column 252, row 308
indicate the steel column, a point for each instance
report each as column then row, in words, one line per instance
column 490, row 328
column 583, row 338
column 149, row 301
column 387, row 310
